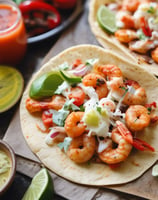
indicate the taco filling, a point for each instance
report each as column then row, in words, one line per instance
column 137, row 24
column 101, row 117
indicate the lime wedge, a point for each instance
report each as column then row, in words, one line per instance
column 41, row 187
column 106, row 19
column 70, row 78
column 45, row 85
column 155, row 170
column 11, row 87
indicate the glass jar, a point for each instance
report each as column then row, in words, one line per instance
column 13, row 38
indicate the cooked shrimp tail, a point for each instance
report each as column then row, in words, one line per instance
column 126, row 134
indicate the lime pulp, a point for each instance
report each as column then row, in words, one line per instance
column 11, row 87
column 106, row 19
column 41, row 187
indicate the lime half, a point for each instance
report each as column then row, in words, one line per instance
column 11, row 87
column 41, row 187
column 106, row 19
column 155, row 170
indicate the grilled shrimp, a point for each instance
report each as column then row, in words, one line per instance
column 74, row 127
column 137, row 117
column 108, row 71
column 82, row 148
column 97, row 82
column 56, row 103
column 126, row 35
column 139, row 95
column 120, row 153
column 154, row 54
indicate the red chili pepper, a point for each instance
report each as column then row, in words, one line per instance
column 39, row 14
column 142, row 145
column 150, row 105
column 64, row 4
column 145, row 27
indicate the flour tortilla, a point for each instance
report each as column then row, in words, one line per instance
column 91, row 173
column 108, row 41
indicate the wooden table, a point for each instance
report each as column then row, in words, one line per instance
column 37, row 54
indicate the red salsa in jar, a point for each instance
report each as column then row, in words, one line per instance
column 13, row 39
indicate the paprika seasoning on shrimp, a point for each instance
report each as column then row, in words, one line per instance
column 13, row 39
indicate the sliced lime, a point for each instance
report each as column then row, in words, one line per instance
column 45, row 85
column 106, row 19
column 41, row 187
column 11, row 87
column 155, row 170
column 72, row 79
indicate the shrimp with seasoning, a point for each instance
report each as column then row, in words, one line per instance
column 82, row 148
column 120, row 153
column 139, row 95
column 141, row 46
column 108, row 71
column 137, row 117
column 126, row 35
column 117, row 87
column 131, row 6
column 154, row 54
column 97, row 82
column 56, row 103
column 74, row 126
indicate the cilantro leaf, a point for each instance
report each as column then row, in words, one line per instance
column 60, row 116
column 65, row 145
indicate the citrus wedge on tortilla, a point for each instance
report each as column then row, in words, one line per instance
column 70, row 78
column 45, row 85
column 41, row 187
column 11, row 87
column 106, row 19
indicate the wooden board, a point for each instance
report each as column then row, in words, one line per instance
column 145, row 186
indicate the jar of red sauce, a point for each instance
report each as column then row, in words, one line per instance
column 13, row 38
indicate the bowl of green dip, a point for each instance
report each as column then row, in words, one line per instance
column 7, row 166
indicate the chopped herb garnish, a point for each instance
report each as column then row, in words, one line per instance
column 141, row 35
column 99, row 109
column 60, row 116
column 151, row 10
column 64, row 66
column 91, row 62
column 70, row 106
column 135, row 119
column 65, row 145
column 82, row 108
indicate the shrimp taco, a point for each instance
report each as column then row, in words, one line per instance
column 98, row 125
column 129, row 28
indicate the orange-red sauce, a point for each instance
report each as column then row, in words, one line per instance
column 13, row 37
